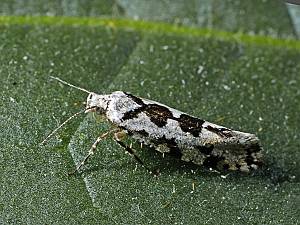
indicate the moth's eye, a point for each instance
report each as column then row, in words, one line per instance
column 100, row 111
column 90, row 96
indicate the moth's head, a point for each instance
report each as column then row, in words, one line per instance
column 96, row 103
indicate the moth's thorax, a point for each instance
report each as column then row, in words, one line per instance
column 114, row 105
column 119, row 104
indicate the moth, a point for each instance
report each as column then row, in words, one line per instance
column 169, row 131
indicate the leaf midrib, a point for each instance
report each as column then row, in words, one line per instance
column 152, row 27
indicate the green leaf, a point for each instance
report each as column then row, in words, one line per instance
column 248, row 83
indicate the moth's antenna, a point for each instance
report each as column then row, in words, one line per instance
column 65, row 122
column 71, row 85
column 61, row 125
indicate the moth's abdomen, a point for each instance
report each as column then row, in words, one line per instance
column 240, row 151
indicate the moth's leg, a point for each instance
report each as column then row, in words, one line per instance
column 92, row 150
column 119, row 136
